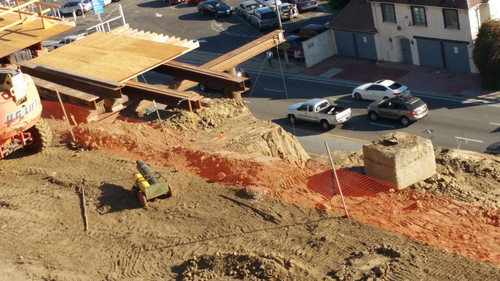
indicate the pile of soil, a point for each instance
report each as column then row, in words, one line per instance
column 247, row 223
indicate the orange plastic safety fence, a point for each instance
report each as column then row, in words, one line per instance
column 437, row 220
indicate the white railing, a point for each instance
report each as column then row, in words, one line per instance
column 106, row 24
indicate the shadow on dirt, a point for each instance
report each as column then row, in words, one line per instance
column 115, row 198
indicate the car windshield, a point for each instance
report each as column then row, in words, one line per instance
column 220, row 5
column 252, row 7
column 395, row 86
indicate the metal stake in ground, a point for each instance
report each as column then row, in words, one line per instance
column 337, row 178
column 84, row 203
column 165, row 134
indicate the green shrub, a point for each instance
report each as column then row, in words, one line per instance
column 336, row 5
column 486, row 54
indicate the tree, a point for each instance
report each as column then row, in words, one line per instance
column 486, row 54
column 336, row 5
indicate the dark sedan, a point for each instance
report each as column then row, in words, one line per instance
column 215, row 8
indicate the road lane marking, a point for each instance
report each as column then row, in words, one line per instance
column 382, row 125
column 326, row 134
column 495, row 124
column 273, row 90
column 466, row 139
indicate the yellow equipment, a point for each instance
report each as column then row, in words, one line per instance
column 148, row 186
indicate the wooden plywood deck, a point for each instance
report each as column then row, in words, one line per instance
column 110, row 56
column 29, row 33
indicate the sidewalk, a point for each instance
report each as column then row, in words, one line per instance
column 427, row 80
column 358, row 71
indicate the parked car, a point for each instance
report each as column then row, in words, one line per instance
column 381, row 89
column 269, row 3
column 305, row 5
column 264, row 18
column 246, row 8
column 405, row 109
column 292, row 43
column 318, row 111
column 194, row 2
column 172, row 2
column 239, row 72
column 106, row 2
column 493, row 148
column 67, row 40
column 79, row 6
column 286, row 11
column 214, row 7
column 308, row 30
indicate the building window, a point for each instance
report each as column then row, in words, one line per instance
column 450, row 19
column 388, row 14
column 418, row 15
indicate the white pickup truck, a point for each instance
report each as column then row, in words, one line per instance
column 319, row 111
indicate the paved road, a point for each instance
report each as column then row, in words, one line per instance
column 215, row 35
column 453, row 122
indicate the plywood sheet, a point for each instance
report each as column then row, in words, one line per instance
column 111, row 56
column 29, row 33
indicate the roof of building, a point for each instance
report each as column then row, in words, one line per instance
column 457, row 4
column 355, row 16
column 118, row 55
column 17, row 34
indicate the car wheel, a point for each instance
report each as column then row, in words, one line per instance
column 202, row 87
column 324, row 124
column 201, row 12
column 215, row 15
column 385, row 98
column 292, row 118
column 357, row 96
column 405, row 121
column 373, row 116
column 79, row 13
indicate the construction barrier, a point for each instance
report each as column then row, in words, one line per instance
column 440, row 221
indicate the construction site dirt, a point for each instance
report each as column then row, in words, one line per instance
column 248, row 203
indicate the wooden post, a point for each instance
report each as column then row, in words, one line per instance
column 84, row 203
column 65, row 115
column 164, row 134
column 336, row 177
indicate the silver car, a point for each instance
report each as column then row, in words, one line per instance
column 246, row 8
column 404, row 109
column 78, row 6
column 264, row 18
column 381, row 89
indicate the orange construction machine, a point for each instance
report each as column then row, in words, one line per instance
column 20, row 112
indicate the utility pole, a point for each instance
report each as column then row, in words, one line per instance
column 281, row 28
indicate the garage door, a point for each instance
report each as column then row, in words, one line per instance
column 430, row 53
column 358, row 45
column 366, row 46
column 456, row 55
column 345, row 43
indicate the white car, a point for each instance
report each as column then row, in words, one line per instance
column 68, row 40
column 381, row 89
column 79, row 6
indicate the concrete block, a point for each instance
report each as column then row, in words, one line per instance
column 400, row 158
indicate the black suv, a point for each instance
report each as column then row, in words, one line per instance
column 404, row 109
